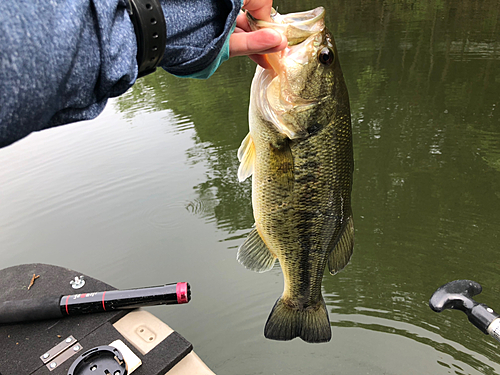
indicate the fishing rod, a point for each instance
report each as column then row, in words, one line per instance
column 53, row 307
column 458, row 295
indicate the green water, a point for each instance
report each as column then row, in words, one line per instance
column 147, row 194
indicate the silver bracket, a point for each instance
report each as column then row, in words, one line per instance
column 60, row 353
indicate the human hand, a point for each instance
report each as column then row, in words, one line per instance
column 255, row 44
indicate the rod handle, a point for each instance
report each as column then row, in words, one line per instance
column 30, row 309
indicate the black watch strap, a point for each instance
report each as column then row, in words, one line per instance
column 151, row 33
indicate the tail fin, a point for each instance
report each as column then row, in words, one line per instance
column 286, row 322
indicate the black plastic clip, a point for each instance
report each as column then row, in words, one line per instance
column 151, row 33
column 100, row 360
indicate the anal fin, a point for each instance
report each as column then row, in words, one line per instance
column 341, row 253
column 254, row 254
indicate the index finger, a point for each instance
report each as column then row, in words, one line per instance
column 259, row 9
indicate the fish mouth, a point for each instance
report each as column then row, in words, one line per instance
column 295, row 26
column 276, row 97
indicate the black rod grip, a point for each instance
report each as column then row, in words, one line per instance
column 86, row 303
column 30, row 309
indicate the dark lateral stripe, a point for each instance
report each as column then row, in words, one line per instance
column 306, row 179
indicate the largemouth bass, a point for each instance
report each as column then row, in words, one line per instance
column 299, row 151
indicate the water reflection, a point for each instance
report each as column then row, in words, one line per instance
column 424, row 81
column 463, row 359
column 217, row 108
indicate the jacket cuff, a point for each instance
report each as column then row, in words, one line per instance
column 198, row 35
column 221, row 57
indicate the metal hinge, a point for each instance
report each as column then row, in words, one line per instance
column 54, row 357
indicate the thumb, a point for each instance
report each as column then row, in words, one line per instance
column 260, row 41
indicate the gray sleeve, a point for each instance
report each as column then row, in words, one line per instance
column 196, row 32
column 60, row 60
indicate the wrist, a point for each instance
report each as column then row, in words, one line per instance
column 151, row 33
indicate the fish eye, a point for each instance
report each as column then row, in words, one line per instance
column 326, row 56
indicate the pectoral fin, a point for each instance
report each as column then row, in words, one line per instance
column 342, row 248
column 254, row 254
column 246, row 156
